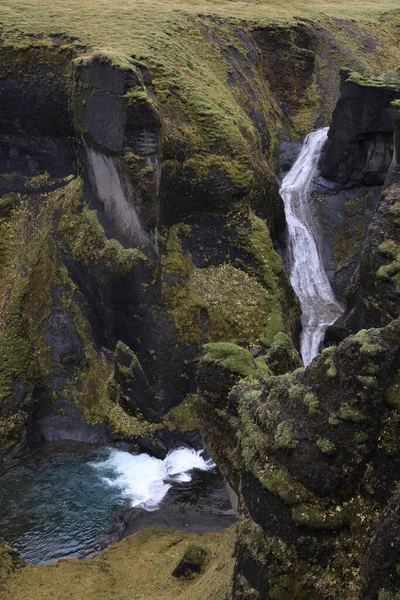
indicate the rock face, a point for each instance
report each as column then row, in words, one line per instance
column 356, row 163
column 313, row 454
column 373, row 291
column 103, row 315
column 313, row 457
column 137, row 207
column 375, row 287
column 360, row 146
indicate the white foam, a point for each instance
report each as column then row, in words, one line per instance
column 145, row 480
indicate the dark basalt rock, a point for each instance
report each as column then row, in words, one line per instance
column 374, row 292
column 380, row 570
column 314, row 456
column 360, row 146
column 36, row 128
column 394, row 172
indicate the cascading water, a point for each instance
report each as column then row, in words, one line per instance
column 318, row 303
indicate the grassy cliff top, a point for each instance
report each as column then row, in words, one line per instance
column 142, row 27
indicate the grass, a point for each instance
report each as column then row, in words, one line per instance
column 180, row 42
column 133, row 26
column 122, row 572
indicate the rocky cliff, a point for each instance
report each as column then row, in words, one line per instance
column 134, row 208
column 140, row 219
column 313, row 457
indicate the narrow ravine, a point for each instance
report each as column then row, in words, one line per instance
column 309, row 280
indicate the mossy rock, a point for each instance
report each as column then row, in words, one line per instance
column 192, row 563
column 235, row 359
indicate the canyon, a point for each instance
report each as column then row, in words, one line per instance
column 181, row 200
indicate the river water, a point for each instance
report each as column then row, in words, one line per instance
column 307, row 275
column 61, row 500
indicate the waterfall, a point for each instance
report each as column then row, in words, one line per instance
column 117, row 207
column 309, row 280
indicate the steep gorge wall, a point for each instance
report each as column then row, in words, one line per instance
column 185, row 197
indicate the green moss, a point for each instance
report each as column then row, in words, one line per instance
column 394, row 212
column 360, row 437
column 296, row 392
column 370, row 80
column 393, row 394
column 312, row 402
column 119, row 60
column 326, row 446
column 193, row 561
column 10, row 560
column 237, row 305
column 311, row 515
column 275, row 326
column 215, row 303
column 371, row 349
column 127, row 426
column 255, row 241
column 36, row 183
column 262, row 365
column 390, row 272
column 282, row 357
column 367, row 380
column 27, row 277
column 304, row 117
column 86, row 239
column 385, row 595
column 7, row 203
column 131, row 361
column 349, row 413
column 328, row 350
column 332, row 370
column 278, row 481
column 233, row 358
column 284, row 435
column 333, row 421
column 270, row 410
column 366, row 342
column 231, row 169
column 182, row 417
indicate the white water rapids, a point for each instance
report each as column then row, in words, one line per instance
column 145, row 480
column 307, row 275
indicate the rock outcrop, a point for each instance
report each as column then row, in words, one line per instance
column 360, row 146
column 313, row 456
column 373, row 291
column 356, row 163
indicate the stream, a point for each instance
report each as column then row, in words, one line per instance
column 307, row 275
